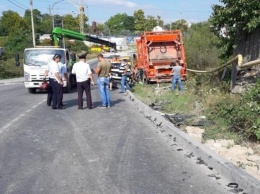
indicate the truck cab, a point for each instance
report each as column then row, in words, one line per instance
column 35, row 64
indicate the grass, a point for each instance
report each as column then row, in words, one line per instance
column 196, row 99
column 9, row 70
column 173, row 101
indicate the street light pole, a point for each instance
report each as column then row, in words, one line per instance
column 33, row 33
column 52, row 12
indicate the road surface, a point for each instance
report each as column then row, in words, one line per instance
column 111, row 151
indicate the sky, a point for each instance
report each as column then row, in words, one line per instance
column 101, row 10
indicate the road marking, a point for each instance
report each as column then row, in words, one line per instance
column 18, row 118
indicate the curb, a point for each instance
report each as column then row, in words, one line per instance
column 248, row 183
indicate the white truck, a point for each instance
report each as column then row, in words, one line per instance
column 36, row 59
column 35, row 63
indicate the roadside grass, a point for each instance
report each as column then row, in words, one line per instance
column 172, row 101
column 9, row 70
column 203, row 97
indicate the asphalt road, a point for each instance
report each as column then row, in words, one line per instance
column 111, row 151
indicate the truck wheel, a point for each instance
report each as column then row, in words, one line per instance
column 32, row 90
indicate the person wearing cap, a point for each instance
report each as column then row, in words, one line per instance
column 84, row 78
column 103, row 70
column 55, row 81
column 62, row 73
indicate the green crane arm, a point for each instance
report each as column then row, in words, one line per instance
column 59, row 33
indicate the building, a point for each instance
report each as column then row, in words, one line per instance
column 45, row 37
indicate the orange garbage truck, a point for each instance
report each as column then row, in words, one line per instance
column 157, row 52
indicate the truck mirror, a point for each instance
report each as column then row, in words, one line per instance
column 17, row 62
column 16, row 57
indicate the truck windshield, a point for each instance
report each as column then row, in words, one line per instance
column 41, row 57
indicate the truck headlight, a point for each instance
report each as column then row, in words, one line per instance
column 26, row 76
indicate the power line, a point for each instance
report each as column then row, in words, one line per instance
column 17, row 4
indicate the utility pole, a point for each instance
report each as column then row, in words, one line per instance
column 33, row 34
column 81, row 17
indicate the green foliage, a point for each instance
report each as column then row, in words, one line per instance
column 237, row 18
column 9, row 70
column 241, row 114
column 201, row 47
column 69, row 22
column 139, row 20
column 17, row 43
column 174, row 101
column 12, row 22
column 178, row 25
column 76, row 46
column 120, row 22
column 150, row 23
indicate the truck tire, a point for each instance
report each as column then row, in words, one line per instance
column 32, row 90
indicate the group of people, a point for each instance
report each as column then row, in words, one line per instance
column 56, row 71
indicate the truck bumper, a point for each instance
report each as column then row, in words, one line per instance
column 37, row 84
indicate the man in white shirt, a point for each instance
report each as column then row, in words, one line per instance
column 84, row 78
column 55, row 81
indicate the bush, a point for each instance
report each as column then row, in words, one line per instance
column 241, row 114
column 9, row 70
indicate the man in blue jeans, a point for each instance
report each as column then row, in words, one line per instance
column 177, row 76
column 103, row 69
column 123, row 69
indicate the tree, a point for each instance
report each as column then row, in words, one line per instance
column 129, row 23
column 71, row 23
column 177, row 25
column 118, row 22
column 139, row 20
column 236, row 18
column 150, row 23
column 37, row 19
column 159, row 21
column 46, row 24
column 201, row 47
column 12, row 23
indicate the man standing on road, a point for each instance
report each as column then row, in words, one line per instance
column 103, row 69
column 56, row 82
column 177, row 76
column 84, row 78
column 123, row 69
column 63, row 73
